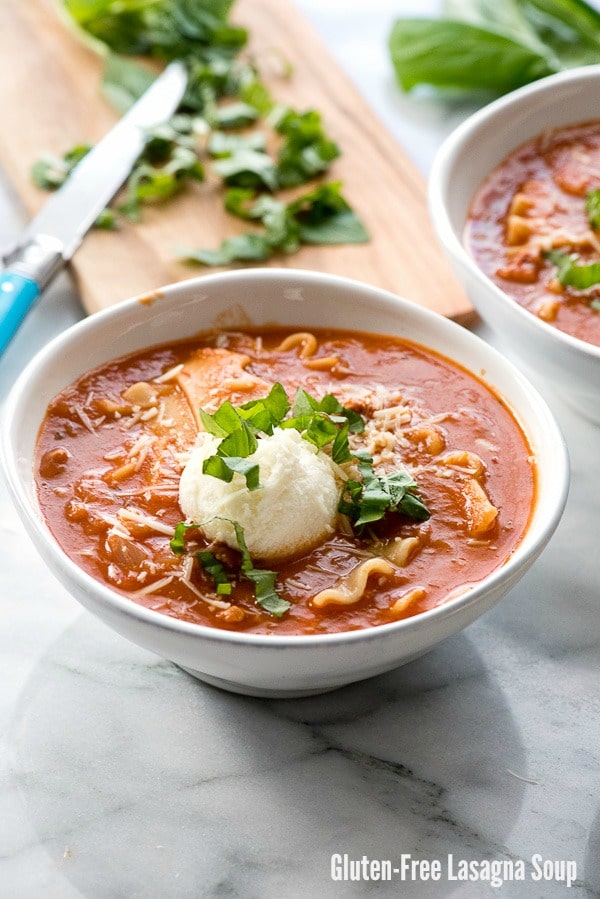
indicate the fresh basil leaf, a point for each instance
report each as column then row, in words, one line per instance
column 215, row 570
column 235, row 115
column 263, row 580
column 216, row 466
column 222, row 422
column 455, row 54
column 592, row 208
column 124, row 81
column 304, row 403
column 165, row 29
column 369, row 500
column 224, row 467
column 268, row 412
column 256, row 93
column 570, row 273
column 569, row 29
column 324, row 217
column 324, row 422
column 248, row 470
column 340, row 450
column 507, row 18
column 50, row 172
column 177, row 542
column 413, row 506
column 267, row 596
column 248, row 247
column 240, row 201
column 321, row 431
column 579, row 18
column 342, row 228
column 221, row 145
column 248, row 168
column 306, row 150
column 107, row 220
column 240, row 442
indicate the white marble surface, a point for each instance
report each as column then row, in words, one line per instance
column 120, row 776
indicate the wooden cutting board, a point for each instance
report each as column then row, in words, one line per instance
column 50, row 100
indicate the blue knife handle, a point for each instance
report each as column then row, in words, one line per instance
column 17, row 295
column 29, row 268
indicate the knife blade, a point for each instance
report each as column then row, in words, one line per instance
column 51, row 238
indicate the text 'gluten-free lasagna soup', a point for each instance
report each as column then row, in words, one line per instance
column 285, row 482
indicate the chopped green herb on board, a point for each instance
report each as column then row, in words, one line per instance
column 229, row 126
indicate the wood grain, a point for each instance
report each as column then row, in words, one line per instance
column 50, row 100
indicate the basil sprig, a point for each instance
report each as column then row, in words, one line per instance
column 496, row 46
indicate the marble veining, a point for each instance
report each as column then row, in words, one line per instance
column 123, row 777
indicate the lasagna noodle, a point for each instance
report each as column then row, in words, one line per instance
column 351, row 588
column 212, row 375
column 308, row 344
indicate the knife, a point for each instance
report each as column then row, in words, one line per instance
column 52, row 237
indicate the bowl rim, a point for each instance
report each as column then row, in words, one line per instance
column 449, row 156
column 123, row 605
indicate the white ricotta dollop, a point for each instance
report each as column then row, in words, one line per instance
column 292, row 510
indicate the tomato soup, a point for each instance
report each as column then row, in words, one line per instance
column 534, row 228
column 435, row 481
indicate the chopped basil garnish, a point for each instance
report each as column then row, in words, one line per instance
column 367, row 501
column 320, row 216
column 322, row 422
column 177, row 543
column 592, row 208
column 326, row 424
column 216, row 570
column 238, row 427
column 264, row 581
column 262, row 578
column 570, row 273
column 306, row 150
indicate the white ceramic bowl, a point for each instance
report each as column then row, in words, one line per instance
column 476, row 147
column 248, row 663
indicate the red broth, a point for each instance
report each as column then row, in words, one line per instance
column 535, row 201
column 112, row 447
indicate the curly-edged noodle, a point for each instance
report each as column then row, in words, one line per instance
column 351, row 588
column 322, row 363
column 415, row 594
column 401, row 550
column 307, row 342
column 481, row 514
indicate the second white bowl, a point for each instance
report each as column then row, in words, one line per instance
column 467, row 156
